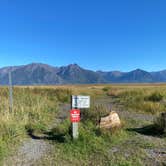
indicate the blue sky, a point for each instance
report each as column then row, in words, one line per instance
column 96, row 34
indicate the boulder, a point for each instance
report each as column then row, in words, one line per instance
column 110, row 121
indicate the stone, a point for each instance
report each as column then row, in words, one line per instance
column 110, row 121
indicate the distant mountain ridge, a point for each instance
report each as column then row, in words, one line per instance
column 43, row 74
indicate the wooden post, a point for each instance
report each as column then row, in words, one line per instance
column 10, row 93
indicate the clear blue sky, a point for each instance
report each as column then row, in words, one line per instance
column 96, row 34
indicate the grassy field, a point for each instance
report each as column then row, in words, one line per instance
column 140, row 141
column 33, row 109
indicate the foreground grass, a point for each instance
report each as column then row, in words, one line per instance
column 36, row 107
column 129, row 145
column 96, row 147
column 92, row 148
column 104, row 148
column 33, row 109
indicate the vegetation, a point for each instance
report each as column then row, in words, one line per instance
column 94, row 114
column 154, row 97
column 141, row 100
column 33, row 109
column 36, row 108
column 93, row 145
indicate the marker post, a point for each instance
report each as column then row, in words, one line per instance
column 75, row 130
column 74, row 123
column 77, row 102
column 10, row 93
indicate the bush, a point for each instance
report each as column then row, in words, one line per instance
column 105, row 89
column 154, row 97
column 94, row 114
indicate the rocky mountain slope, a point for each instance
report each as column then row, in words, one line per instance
column 43, row 74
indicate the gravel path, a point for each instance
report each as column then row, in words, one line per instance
column 30, row 151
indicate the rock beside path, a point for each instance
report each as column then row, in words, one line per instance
column 110, row 121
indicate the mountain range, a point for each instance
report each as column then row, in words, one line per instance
column 43, row 74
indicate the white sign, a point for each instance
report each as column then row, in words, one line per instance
column 80, row 101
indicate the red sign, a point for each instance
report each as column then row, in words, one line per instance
column 75, row 115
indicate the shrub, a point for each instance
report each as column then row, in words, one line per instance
column 94, row 114
column 154, row 97
column 105, row 89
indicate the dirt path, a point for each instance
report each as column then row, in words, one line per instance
column 33, row 149
column 29, row 152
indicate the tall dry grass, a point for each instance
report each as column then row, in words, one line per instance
column 33, row 108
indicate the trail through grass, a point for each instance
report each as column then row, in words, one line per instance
column 136, row 143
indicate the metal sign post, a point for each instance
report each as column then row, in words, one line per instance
column 10, row 93
column 75, row 118
column 77, row 102
column 75, row 130
column 74, row 122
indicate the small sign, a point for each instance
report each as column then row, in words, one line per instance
column 80, row 101
column 75, row 115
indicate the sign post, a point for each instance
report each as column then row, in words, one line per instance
column 77, row 102
column 75, row 118
column 10, row 92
